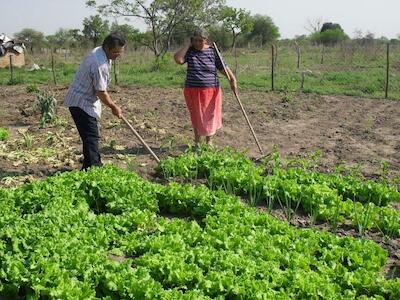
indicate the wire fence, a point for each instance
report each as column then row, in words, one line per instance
column 347, row 69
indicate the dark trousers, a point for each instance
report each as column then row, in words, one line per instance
column 89, row 133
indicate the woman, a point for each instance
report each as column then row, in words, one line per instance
column 202, row 91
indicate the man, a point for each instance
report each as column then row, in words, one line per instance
column 88, row 90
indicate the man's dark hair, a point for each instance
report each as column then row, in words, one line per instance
column 114, row 40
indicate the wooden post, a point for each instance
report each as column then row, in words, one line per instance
column 52, row 67
column 11, row 70
column 272, row 67
column 276, row 55
column 298, row 55
column 236, row 60
column 115, row 72
column 387, row 71
column 322, row 56
column 303, row 77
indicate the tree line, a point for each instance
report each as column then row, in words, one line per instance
column 170, row 23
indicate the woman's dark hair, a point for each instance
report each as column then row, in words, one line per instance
column 114, row 40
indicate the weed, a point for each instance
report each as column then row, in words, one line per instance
column 46, row 103
column 4, row 134
column 15, row 81
column 369, row 124
column 112, row 144
column 32, row 88
column 169, row 143
column 27, row 139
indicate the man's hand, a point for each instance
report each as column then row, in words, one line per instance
column 105, row 97
column 117, row 111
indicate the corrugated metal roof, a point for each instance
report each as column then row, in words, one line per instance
column 7, row 44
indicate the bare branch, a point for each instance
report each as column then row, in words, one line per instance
column 314, row 25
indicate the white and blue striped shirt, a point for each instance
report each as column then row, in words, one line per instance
column 93, row 75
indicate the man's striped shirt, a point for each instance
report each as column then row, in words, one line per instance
column 202, row 67
column 93, row 75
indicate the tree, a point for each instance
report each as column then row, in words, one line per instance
column 237, row 21
column 264, row 30
column 219, row 33
column 130, row 33
column 358, row 34
column 32, row 38
column 76, row 39
column 161, row 16
column 66, row 38
column 314, row 25
column 301, row 38
column 330, row 26
column 330, row 34
column 383, row 40
column 181, row 33
column 62, row 38
column 95, row 29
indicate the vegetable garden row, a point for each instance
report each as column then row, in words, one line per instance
column 333, row 198
column 110, row 234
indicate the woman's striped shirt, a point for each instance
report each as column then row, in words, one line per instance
column 202, row 67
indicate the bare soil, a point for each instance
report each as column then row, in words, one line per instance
column 349, row 130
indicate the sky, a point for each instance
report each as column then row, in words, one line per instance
column 380, row 17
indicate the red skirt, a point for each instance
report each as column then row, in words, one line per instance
column 205, row 108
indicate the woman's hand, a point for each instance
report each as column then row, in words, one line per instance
column 179, row 56
column 233, row 84
column 232, row 79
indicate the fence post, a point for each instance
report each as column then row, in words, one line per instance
column 298, row 55
column 272, row 66
column 115, row 72
column 52, row 67
column 387, row 71
column 236, row 60
column 11, row 70
column 322, row 56
column 303, row 78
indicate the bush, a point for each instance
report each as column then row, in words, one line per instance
column 329, row 37
column 161, row 63
column 15, row 80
